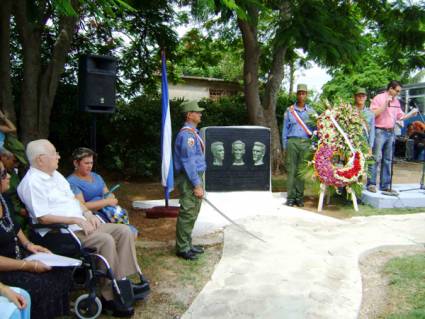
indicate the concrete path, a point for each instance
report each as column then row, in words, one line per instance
column 307, row 269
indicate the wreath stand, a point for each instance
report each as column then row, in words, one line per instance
column 323, row 189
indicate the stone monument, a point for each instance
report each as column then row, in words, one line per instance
column 238, row 158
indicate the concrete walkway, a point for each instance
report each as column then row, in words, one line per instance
column 307, row 269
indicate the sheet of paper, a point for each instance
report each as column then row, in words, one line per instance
column 53, row 260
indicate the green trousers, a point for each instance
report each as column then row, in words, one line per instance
column 297, row 152
column 190, row 205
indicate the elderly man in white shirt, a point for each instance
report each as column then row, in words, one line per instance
column 49, row 199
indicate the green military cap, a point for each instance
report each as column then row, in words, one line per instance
column 360, row 91
column 191, row 106
column 302, row 87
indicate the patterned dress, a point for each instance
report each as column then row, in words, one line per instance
column 49, row 291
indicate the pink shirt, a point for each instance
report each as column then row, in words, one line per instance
column 390, row 115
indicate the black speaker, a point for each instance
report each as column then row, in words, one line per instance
column 96, row 83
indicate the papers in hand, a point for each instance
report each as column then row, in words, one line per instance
column 53, row 260
column 412, row 112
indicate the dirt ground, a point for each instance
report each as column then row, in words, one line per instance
column 175, row 283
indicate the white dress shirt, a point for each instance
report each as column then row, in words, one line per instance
column 45, row 194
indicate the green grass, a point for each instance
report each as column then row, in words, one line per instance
column 170, row 277
column 341, row 206
column 407, row 287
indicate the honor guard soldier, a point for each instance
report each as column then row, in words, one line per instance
column 189, row 162
column 296, row 144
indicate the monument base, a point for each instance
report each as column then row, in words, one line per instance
column 162, row 211
column 413, row 198
column 155, row 208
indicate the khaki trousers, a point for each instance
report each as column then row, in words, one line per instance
column 115, row 242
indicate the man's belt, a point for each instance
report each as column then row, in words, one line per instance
column 385, row 129
column 301, row 138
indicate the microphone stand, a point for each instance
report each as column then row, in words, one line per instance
column 421, row 182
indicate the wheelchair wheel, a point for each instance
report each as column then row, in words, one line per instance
column 87, row 308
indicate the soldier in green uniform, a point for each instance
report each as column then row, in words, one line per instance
column 296, row 144
column 189, row 163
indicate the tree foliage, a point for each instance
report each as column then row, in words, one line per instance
column 40, row 39
column 204, row 55
column 330, row 32
column 370, row 71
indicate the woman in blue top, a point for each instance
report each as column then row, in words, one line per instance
column 90, row 188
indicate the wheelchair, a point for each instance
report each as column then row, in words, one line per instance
column 63, row 241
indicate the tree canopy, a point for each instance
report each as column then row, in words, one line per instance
column 330, row 32
column 40, row 39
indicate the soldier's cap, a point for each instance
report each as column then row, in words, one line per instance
column 190, row 106
column 360, row 91
column 302, row 87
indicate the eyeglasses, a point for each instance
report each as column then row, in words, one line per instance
column 3, row 174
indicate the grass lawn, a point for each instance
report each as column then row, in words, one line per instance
column 340, row 206
column 406, row 287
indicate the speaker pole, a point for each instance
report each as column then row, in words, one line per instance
column 93, row 132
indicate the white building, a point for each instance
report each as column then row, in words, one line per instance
column 196, row 88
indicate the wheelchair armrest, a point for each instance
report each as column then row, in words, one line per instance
column 51, row 226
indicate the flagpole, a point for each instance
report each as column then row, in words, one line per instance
column 166, row 135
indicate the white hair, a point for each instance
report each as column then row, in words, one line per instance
column 36, row 148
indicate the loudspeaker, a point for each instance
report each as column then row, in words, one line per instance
column 96, row 83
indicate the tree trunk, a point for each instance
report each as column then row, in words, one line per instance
column 250, row 68
column 291, row 77
column 262, row 114
column 51, row 76
column 40, row 83
column 270, row 99
column 30, row 37
column 6, row 95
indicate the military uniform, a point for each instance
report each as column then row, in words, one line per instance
column 297, row 145
column 189, row 162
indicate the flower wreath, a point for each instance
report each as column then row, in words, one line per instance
column 329, row 174
column 333, row 140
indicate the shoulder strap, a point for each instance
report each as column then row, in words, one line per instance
column 299, row 120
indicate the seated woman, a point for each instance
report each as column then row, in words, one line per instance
column 92, row 191
column 19, row 213
column 49, row 288
column 416, row 132
column 15, row 303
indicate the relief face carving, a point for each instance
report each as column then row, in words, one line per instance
column 217, row 150
column 238, row 151
column 258, row 152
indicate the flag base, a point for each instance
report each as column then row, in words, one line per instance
column 162, row 211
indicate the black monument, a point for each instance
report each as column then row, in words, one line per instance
column 238, row 158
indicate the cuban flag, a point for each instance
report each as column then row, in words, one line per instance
column 166, row 136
